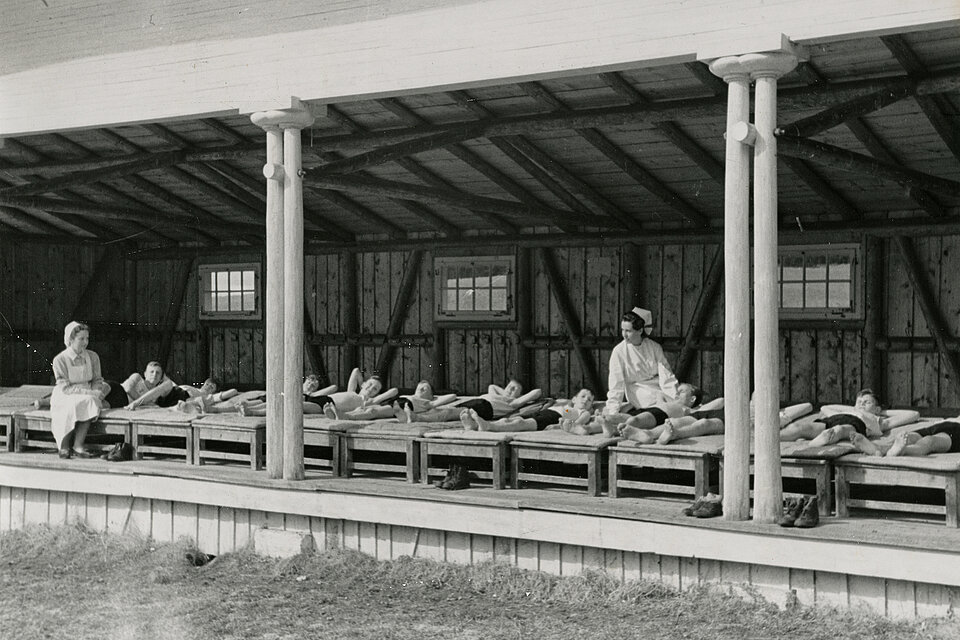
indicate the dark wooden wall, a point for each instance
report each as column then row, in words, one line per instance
column 132, row 306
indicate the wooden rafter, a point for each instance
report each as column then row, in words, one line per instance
column 431, row 195
column 848, row 110
column 435, row 220
column 570, row 320
column 831, row 156
column 939, row 330
column 382, row 224
column 822, row 188
column 401, row 307
column 616, row 155
column 933, row 106
column 861, row 130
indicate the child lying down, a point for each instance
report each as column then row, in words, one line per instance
column 568, row 413
column 942, row 437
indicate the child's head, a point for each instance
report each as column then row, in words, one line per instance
column 867, row 401
column 689, row 395
column 210, row 385
column 153, row 372
column 371, row 387
column 583, row 399
column 513, row 388
column 311, row 383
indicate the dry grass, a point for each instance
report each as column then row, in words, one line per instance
column 72, row 583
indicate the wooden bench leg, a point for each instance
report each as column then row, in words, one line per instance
column 701, row 476
column 335, row 453
column 256, row 449
column 197, row 446
column 424, row 462
column 498, row 464
column 515, row 468
column 613, row 476
column 413, row 461
column 824, row 498
column 594, row 460
column 21, row 434
column 347, row 466
column 841, row 492
column 952, row 490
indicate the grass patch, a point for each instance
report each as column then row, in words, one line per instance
column 70, row 582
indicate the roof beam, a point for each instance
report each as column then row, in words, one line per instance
column 822, row 188
column 828, row 155
column 933, row 106
column 848, row 110
column 623, row 161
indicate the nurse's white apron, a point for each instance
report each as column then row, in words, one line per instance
column 68, row 409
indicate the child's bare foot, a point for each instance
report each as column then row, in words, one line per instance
column 330, row 411
column 577, row 430
column 864, row 445
column 409, row 411
column 666, row 436
column 828, row 437
column 400, row 414
column 899, row 444
column 467, row 421
column 608, row 429
column 242, row 408
column 635, row 434
column 482, row 425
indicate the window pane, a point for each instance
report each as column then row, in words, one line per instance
column 248, row 281
column 223, row 302
column 449, row 300
column 499, row 300
column 236, row 301
column 792, row 296
column 791, row 267
column 816, row 294
column 483, row 299
column 466, row 277
column 499, row 281
column 466, row 300
column 235, row 280
column 221, row 280
column 206, row 302
column 816, row 269
column 840, row 268
column 840, row 295
column 482, row 272
column 249, row 301
column 210, row 284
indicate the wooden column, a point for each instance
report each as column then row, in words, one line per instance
column 736, row 240
column 293, row 296
column 768, row 483
column 273, row 310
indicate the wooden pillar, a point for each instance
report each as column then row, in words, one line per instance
column 293, row 296
column 284, row 225
column 767, row 485
column 273, row 311
column 736, row 242
column 524, row 289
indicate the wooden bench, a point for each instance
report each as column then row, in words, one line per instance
column 33, row 429
column 162, row 432
column 469, row 447
column 398, row 440
column 13, row 401
column 651, row 465
column 939, row 472
column 323, row 443
column 587, row 453
column 228, row 429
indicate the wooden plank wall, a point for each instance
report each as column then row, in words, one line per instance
column 40, row 285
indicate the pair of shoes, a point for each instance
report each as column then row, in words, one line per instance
column 82, row 453
column 65, row 453
column 792, row 507
column 810, row 516
column 458, row 477
column 710, row 506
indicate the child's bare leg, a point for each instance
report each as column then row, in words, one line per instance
column 794, row 411
column 681, row 428
column 312, row 408
column 641, row 421
column 833, row 435
column 666, row 435
column 864, row 445
column 804, row 430
column 571, row 426
column 504, row 424
column 910, row 444
column 643, row 436
column 330, row 410
column 400, row 414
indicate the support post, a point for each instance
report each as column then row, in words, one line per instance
column 768, row 483
column 348, row 269
column 736, row 242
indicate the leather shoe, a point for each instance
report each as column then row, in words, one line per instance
column 83, row 453
column 65, row 453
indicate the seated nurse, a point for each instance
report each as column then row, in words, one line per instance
column 78, row 395
column 639, row 372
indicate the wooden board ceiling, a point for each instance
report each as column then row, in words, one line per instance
column 871, row 134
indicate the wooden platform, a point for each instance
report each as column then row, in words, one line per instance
column 561, row 532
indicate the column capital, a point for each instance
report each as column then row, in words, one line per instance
column 273, row 119
column 754, row 65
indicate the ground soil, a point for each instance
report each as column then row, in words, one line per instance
column 72, row 583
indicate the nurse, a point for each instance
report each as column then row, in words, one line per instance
column 78, row 395
column 639, row 372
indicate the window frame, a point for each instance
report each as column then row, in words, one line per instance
column 462, row 316
column 856, row 282
column 203, row 276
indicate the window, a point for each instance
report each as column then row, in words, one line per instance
column 474, row 288
column 229, row 291
column 821, row 281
